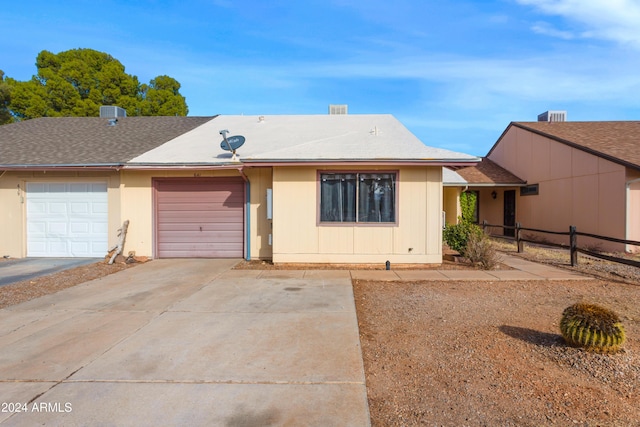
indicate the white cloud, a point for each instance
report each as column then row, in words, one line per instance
column 614, row 20
column 546, row 29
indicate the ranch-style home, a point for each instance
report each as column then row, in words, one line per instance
column 291, row 188
column 553, row 173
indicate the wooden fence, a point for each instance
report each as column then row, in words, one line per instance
column 573, row 247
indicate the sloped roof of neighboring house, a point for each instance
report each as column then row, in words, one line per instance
column 488, row 173
column 287, row 139
column 178, row 142
column 87, row 141
column 452, row 178
column 617, row 141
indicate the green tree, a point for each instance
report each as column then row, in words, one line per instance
column 78, row 81
column 162, row 98
column 5, row 99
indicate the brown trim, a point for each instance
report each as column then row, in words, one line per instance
column 358, row 163
column 396, row 223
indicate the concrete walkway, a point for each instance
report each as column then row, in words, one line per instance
column 186, row 342
column 522, row 270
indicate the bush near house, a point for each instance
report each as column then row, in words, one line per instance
column 468, row 238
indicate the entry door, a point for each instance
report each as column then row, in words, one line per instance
column 510, row 212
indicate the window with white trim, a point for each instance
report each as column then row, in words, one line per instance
column 358, row 197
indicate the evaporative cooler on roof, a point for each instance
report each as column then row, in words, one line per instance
column 338, row 109
column 553, row 116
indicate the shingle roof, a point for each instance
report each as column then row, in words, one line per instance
column 618, row 141
column 87, row 140
column 489, row 173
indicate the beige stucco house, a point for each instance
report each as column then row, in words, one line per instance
column 308, row 188
column 563, row 173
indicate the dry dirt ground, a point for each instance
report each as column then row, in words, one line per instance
column 471, row 353
column 490, row 354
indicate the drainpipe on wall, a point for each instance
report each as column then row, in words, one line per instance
column 247, row 214
column 628, row 212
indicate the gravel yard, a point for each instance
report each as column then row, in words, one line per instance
column 490, row 354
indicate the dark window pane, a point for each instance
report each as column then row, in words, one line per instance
column 338, row 197
column 376, row 198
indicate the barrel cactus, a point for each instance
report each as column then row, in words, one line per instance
column 592, row 327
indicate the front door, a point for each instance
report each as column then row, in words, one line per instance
column 509, row 212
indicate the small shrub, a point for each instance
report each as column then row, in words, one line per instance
column 480, row 250
column 456, row 235
column 592, row 327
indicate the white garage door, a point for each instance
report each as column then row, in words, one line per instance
column 67, row 219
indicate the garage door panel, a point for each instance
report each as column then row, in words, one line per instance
column 57, row 228
column 67, row 219
column 200, row 217
column 199, row 236
column 218, row 250
column 80, row 247
column 180, row 227
column 200, row 206
column 57, row 208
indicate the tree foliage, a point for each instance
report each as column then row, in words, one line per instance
column 5, row 99
column 78, row 81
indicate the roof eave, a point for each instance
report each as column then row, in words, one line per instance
column 181, row 166
column 363, row 162
column 61, row 167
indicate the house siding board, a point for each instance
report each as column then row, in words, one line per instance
column 299, row 237
column 201, row 218
column 261, row 227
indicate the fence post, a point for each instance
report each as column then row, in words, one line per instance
column 573, row 245
column 519, row 243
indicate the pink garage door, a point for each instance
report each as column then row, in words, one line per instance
column 199, row 217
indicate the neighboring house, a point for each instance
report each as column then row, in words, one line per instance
column 483, row 179
column 585, row 174
column 307, row 188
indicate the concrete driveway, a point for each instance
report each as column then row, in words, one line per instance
column 186, row 342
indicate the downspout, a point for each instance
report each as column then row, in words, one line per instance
column 628, row 211
column 247, row 214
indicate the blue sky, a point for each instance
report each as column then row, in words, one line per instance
column 455, row 73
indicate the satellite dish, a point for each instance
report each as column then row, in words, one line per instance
column 232, row 143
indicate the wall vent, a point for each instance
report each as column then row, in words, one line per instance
column 553, row 116
column 337, row 109
column 112, row 112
